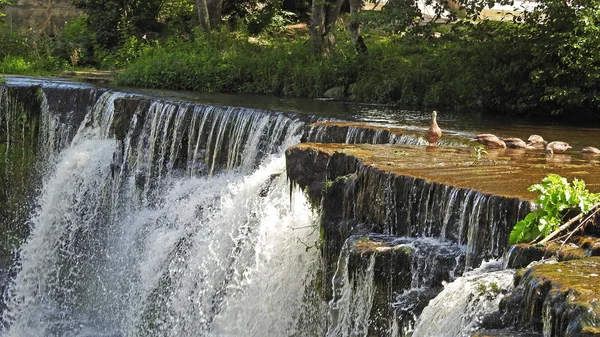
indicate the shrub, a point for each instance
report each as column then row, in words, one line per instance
column 556, row 198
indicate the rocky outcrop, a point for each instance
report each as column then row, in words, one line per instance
column 521, row 255
column 405, row 273
column 361, row 190
column 396, row 191
column 439, row 192
column 559, row 299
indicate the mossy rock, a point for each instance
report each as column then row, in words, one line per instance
column 560, row 299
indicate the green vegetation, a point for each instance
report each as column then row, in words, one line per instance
column 545, row 62
column 556, row 198
column 480, row 152
column 488, row 289
column 18, row 134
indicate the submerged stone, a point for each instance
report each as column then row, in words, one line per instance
column 336, row 93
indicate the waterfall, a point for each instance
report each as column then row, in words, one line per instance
column 369, row 264
column 459, row 308
column 183, row 227
column 160, row 218
column 337, row 131
column 353, row 294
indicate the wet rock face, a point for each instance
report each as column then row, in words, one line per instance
column 558, row 299
column 306, row 168
column 359, row 195
column 521, row 255
column 405, row 273
column 406, row 203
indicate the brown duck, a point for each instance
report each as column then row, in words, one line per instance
column 489, row 140
column 516, row 143
column 590, row 150
column 557, row 147
column 434, row 133
column 536, row 141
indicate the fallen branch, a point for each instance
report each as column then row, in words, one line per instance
column 566, row 225
column 581, row 224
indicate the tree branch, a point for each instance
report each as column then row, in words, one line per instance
column 566, row 225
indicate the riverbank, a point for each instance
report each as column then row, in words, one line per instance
column 494, row 67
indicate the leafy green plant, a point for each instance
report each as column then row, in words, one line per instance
column 555, row 200
column 480, row 151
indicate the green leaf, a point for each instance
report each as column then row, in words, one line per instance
column 556, row 197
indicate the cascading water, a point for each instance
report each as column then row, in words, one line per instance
column 133, row 238
column 416, row 267
column 174, row 219
column 458, row 309
column 352, row 298
column 325, row 132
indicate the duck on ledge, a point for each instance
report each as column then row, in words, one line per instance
column 557, row 147
column 590, row 150
column 536, row 141
column 434, row 133
column 489, row 140
column 516, row 143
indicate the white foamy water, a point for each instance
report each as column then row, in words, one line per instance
column 130, row 245
column 458, row 309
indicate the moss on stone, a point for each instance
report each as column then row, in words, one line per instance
column 563, row 296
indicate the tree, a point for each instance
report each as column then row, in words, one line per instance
column 354, row 27
column 209, row 13
column 325, row 14
column 565, row 37
column 112, row 20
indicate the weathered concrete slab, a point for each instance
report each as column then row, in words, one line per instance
column 502, row 172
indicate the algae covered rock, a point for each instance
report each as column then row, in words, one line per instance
column 558, row 299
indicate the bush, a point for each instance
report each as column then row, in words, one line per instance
column 220, row 62
column 27, row 53
column 556, row 198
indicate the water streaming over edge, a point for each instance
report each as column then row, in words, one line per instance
column 133, row 243
column 459, row 308
column 145, row 230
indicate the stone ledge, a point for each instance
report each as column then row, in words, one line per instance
column 502, row 172
column 361, row 132
column 561, row 299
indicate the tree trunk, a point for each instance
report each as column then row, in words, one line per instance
column 323, row 18
column 215, row 7
column 354, row 27
column 203, row 15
